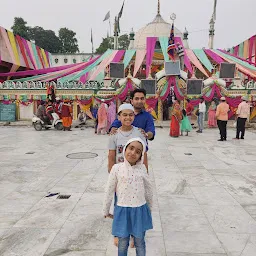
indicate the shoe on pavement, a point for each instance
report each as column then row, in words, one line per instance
column 242, row 138
column 235, row 138
column 220, row 140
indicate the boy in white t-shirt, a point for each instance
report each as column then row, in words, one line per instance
column 126, row 132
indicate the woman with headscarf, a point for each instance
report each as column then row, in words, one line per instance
column 176, row 117
column 102, row 119
column 66, row 113
column 111, row 114
column 212, row 121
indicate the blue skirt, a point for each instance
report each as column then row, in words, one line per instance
column 131, row 221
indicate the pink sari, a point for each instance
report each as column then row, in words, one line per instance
column 212, row 122
column 111, row 114
column 102, row 119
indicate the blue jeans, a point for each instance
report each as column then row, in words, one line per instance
column 200, row 121
column 123, row 244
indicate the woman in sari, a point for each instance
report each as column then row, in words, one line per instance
column 212, row 122
column 102, row 119
column 66, row 113
column 111, row 114
column 176, row 117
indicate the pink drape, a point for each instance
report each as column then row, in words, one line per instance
column 214, row 56
column 103, row 65
column 236, row 50
column 252, row 42
column 186, row 58
column 119, row 56
column 128, row 87
column 230, row 54
column 84, row 77
column 195, row 61
column 140, row 55
column 171, row 82
column 25, row 43
column 7, row 43
column 151, row 43
column 151, row 102
column 241, row 68
column 32, row 54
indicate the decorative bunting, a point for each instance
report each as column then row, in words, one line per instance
column 140, row 55
column 164, row 44
column 128, row 56
column 103, row 64
column 195, row 61
column 151, row 43
column 186, row 57
column 23, row 50
column 203, row 58
column 7, row 43
column 14, row 47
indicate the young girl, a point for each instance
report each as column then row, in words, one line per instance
column 185, row 124
column 132, row 213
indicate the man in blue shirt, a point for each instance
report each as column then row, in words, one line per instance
column 143, row 119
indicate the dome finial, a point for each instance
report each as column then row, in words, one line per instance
column 158, row 8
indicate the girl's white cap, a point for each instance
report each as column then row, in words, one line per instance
column 125, row 106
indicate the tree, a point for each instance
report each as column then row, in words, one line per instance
column 20, row 28
column 46, row 39
column 68, row 41
column 123, row 42
column 108, row 43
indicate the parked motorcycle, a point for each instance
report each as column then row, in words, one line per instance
column 40, row 124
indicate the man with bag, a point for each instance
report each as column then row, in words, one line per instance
column 243, row 113
column 222, row 118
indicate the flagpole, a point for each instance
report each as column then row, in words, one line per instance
column 109, row 27
column 92, row 43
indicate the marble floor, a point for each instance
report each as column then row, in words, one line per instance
column 205, row 194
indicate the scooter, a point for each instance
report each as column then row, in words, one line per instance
column 40, row 124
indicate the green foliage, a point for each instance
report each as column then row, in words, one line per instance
column 68, row 41
column 20, row 28
column 123, row 42
column 108, row 43
column 47, row 39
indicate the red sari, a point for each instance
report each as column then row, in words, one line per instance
column 175, row 121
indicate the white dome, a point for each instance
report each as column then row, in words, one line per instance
column 157, row 28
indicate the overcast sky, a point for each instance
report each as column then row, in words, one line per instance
column 235, row 23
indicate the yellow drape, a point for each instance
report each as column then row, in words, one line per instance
column 14, row 47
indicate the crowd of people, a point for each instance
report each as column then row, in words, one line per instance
column 63, row 109
column 217, row 117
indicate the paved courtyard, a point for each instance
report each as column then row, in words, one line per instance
column 205, row 194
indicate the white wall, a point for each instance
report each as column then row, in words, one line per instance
column 26, row 112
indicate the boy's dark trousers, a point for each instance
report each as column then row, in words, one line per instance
column 240, row 127
column 223, row 129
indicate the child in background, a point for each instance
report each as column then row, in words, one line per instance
column 185, row 124
column 132, row 213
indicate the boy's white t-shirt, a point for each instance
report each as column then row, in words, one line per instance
column 118, row 141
